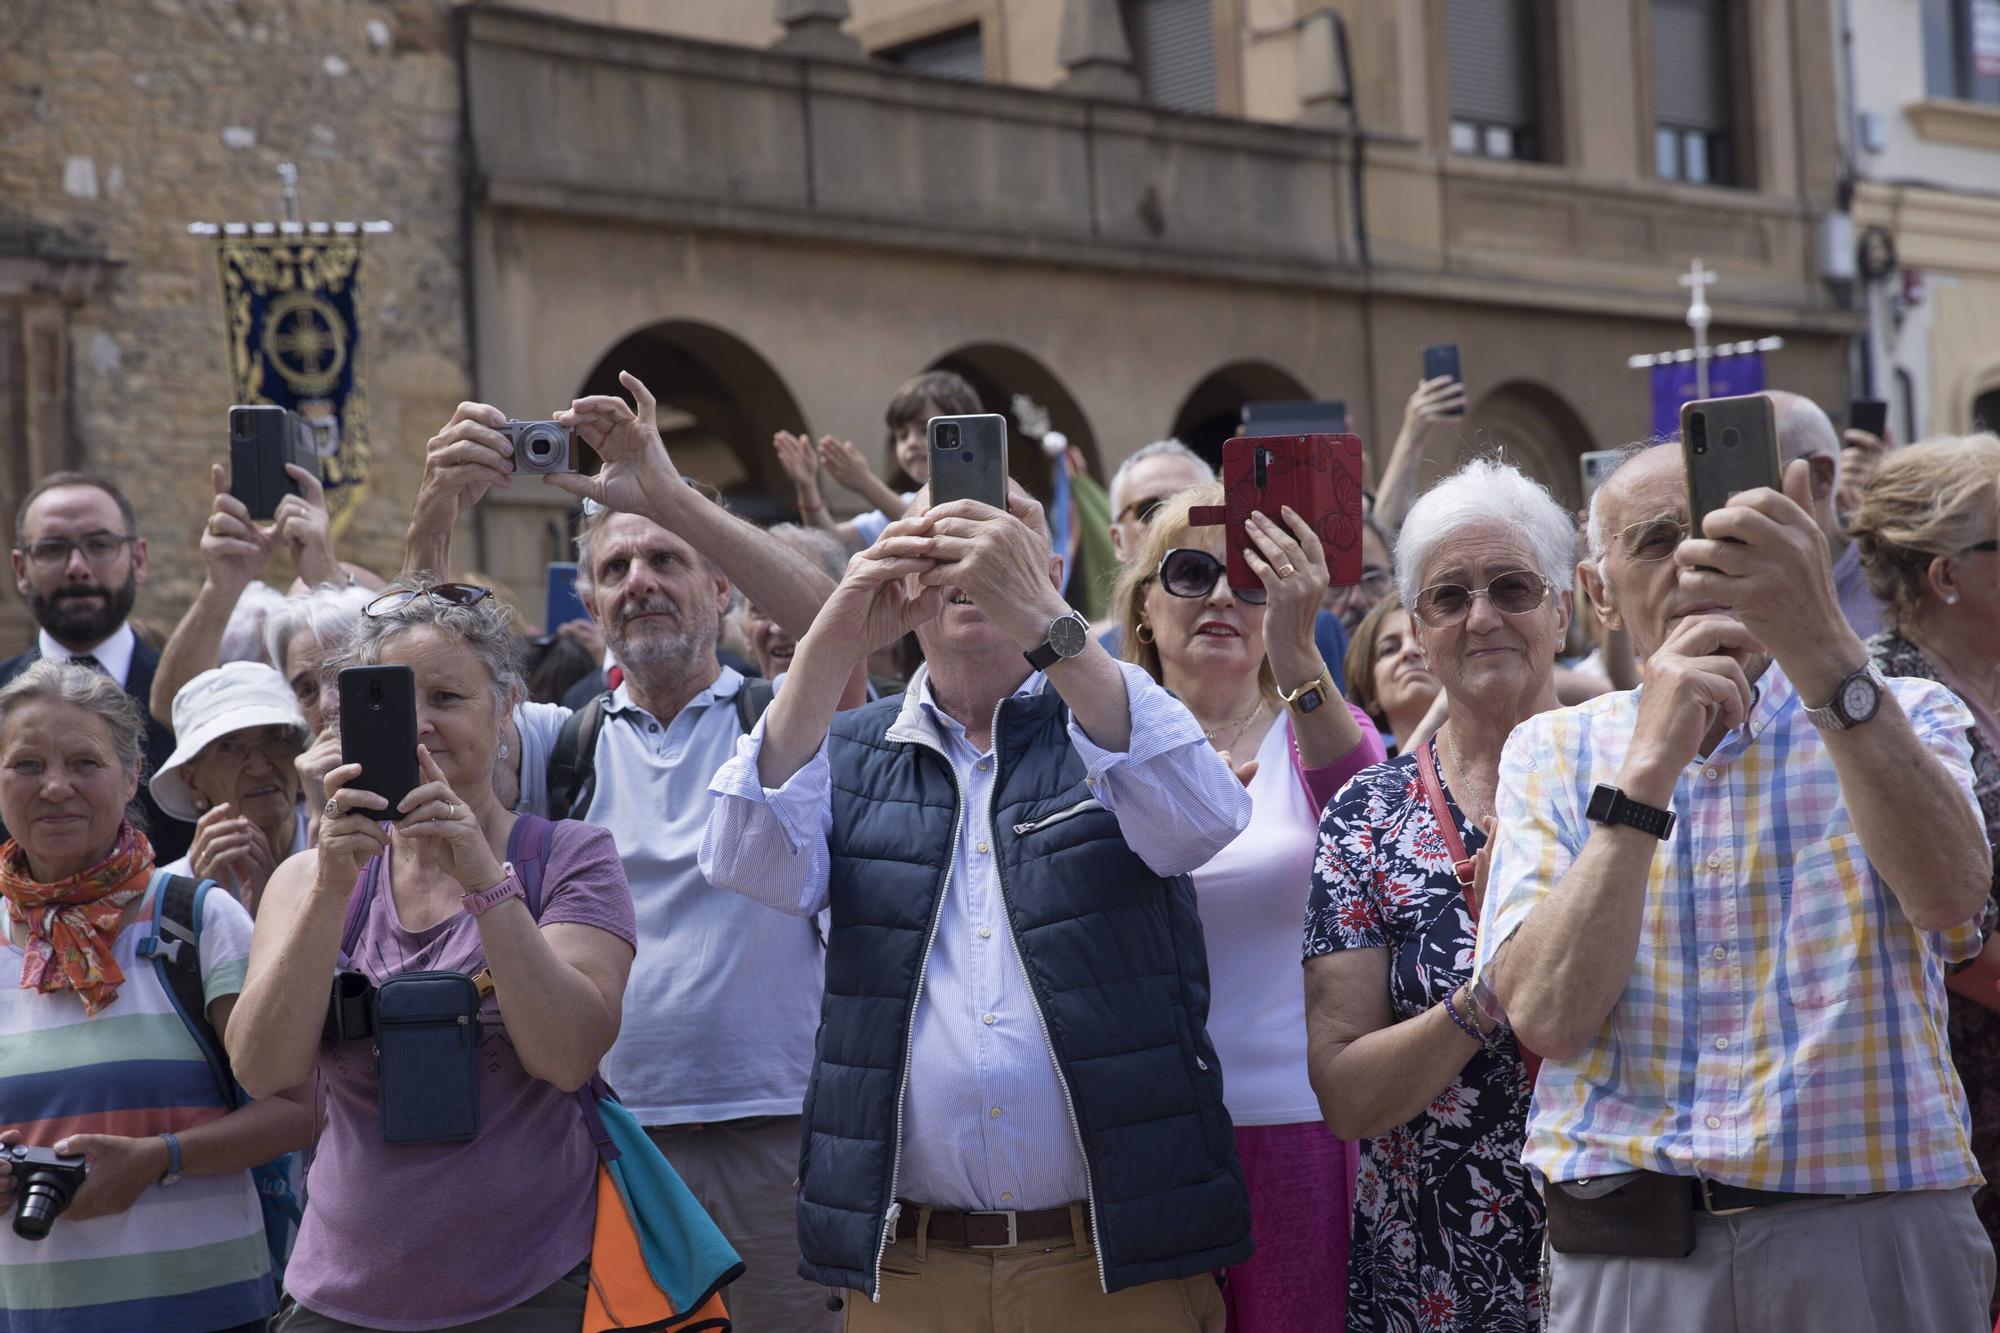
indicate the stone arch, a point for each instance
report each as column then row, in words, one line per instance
column 1531, row 426
column 720, row 403
column 996, row 373
column 1213, row 409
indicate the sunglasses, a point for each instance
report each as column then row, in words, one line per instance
column 441, row 595
column 1187, row 572
column 1514, row 593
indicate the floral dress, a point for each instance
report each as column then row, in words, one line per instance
column 1447, row 1221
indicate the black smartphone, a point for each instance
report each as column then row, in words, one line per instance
column 378, row 730
column 262, row 439
column 1728, row 445
column 1295, row 417
column 1871, row 415
column 1442, row 359
column 969, row 459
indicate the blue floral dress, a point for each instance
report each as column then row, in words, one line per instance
column 1447, row 1221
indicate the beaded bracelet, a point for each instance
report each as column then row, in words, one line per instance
column 1464, row 1025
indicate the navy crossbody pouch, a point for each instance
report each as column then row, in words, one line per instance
column 427, row 1037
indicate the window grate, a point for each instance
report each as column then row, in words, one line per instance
column 1173, row 45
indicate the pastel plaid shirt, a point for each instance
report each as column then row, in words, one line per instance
column 1784, row 1024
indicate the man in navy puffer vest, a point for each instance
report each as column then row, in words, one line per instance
column 1015, row 1116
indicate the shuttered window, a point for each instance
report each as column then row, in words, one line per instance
column 1495, row 99
column 1173, row 46
column 1692, row 72
column 957, row 54
column 1962, row 49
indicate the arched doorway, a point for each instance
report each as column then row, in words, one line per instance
column 1532, row 427
column 720, row 403
column 1211, row 413
column 997, row 373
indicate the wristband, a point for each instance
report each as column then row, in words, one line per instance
column 478, row 904
column 1464, row 1026
column 173, row 1175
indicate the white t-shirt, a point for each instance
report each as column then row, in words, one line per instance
column 1252, row 898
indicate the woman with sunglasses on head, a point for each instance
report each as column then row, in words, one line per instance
column 491, row 1231
column 1246, row 666
column 1447, row 1223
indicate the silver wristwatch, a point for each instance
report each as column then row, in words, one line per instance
column 1853, row 703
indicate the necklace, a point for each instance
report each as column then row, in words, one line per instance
column 1464, row 783
column 1236, row 734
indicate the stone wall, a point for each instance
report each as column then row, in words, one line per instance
column 122, row 122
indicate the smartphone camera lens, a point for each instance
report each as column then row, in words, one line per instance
column 1731, row 437
column 1698, row 432
column 948, row 436
column 375, row 693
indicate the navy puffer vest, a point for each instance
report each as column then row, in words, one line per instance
column 1115, row 957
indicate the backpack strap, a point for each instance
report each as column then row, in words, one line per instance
column 175, row 948
column 357, row 910
column 752, row 698
column 573, row 761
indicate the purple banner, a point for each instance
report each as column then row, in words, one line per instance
column 1673, row 384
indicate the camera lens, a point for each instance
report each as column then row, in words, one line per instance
column 1698, row 432
column 1731, row 437
column 948, row 436
column 36, row 1212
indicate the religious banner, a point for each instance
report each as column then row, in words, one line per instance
column 1673, row 385
column 293, row 305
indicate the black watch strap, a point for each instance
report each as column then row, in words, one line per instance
column 1042, row 656
column 1608, row 805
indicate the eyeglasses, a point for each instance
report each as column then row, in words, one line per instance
column 442, row 594
column 1514, row 593
column 99, row 548
column 1652, row 539
column 1143, row 510
column 1188, row 572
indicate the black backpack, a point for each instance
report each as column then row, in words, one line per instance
column 573, row 761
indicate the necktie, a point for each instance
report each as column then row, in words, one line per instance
column 86, row 660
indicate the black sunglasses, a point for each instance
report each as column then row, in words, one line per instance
column 1514, row 593
column 1187, row 572
column 444, row 594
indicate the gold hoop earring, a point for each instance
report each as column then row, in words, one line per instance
column 1144, row 632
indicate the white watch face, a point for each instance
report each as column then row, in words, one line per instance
column 1858, row 698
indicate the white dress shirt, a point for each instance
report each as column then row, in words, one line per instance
column 114, row 654
column 986, row 1124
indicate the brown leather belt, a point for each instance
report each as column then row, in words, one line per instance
column 1720, row 1200
column 985, row 1231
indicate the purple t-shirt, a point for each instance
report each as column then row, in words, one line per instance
column 421, row 1236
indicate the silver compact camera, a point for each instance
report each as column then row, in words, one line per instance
column 545, row 447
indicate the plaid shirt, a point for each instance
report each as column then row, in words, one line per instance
column 1784, row 1024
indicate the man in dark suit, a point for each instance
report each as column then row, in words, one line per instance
column 78, row 561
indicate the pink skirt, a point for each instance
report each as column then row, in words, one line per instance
column 1301, row 1181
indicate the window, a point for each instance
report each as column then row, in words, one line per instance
column 1692, row 72
column 1173, row 47
column 957, row 54
column 1985, row 412
column 1495, row 99
column 1962, row 49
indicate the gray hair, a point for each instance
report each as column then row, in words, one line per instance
column 329, row 611
column 243, row 638
column 1168, row 448
column 1804, row 429
column 1486, row 492
column 486, row 628
column 815, row 544
column 92, row 691
column 596, row 515
column 1597, row 539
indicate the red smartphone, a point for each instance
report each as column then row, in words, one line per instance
column 1318, row 476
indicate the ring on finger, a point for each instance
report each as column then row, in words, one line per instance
column 332, row 808
column 1285, row 571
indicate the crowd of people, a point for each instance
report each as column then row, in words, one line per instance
column 946, row 941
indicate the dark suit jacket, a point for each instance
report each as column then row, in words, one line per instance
column 170, row 836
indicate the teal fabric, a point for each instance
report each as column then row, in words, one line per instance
column 684, row 1250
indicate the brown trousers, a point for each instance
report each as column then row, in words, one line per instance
column 1040, row 1287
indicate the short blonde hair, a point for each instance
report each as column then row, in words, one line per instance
column 1169, row 528
column 1926, row 500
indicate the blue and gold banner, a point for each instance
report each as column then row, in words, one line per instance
column 293, row 304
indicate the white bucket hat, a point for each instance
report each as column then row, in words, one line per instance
column 235, row 696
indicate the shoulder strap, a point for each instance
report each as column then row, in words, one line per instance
column 175, row 948
column 357, row 909
column 752, row 699
column 1461, row 864
column 531, row 831
column 573, row 761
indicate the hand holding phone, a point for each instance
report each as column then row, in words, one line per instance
column 1728, row 445
column 263, row 439
column 1441, row 361
column 1317, row 476
column 969, row 459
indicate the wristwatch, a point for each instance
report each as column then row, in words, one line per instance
column 1309, row 696
column 1853, row 703
column 1069, row 634
column 1608, row 805
column 478, row 904
column 173, row 1176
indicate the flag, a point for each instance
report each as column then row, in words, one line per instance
column 1673, row 385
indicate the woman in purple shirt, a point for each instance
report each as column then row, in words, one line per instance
column 493, row 1232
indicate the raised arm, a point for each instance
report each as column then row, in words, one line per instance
column 1291, row 564
column 235, row 550
column 465, row 459
column 1431, row 408
column 846, row 465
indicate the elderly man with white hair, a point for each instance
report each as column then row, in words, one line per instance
column 1804, row 431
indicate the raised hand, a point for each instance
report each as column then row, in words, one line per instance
column 1695, row 682
column 878, row 600
column 998, row 561
column 231, row 850
column 319, row 759
column 234, row 548
column 637, row 474
column 1434, row 400
column 796, row 457
column 844, row 463
column 303, row 526
column 467, row 458
column 434, row 813
column 350, row 832
column 1291, row 564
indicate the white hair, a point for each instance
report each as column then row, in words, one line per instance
column 1486, row 492
column 331, row 612
column 1157, row 449
column 243, row 636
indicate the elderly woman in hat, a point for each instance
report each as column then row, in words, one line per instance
column 234, row 774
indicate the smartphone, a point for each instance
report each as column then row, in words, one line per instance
column 378, row 730
column 1442, row 359
column 1317, row 476
column 262, row 439
column 1871, row 415
column 1595, row 465
column 562, row 604
column 1295, row 417
column 1727, row 445
column 969, row 459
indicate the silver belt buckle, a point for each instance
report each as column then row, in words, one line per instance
column 1013, row 1230
column 1708, row 1201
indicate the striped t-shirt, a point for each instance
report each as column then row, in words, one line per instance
column 186, row 1257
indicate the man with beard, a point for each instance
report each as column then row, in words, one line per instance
column 724, row 996
column 78, row 562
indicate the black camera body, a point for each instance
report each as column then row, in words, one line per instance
column 44, row 1184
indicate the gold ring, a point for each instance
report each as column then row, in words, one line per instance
column 1287, row 571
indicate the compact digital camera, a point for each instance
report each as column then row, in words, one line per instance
column 44, row 1184
column 545, row 447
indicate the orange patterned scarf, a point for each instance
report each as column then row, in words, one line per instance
column 73, row 923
